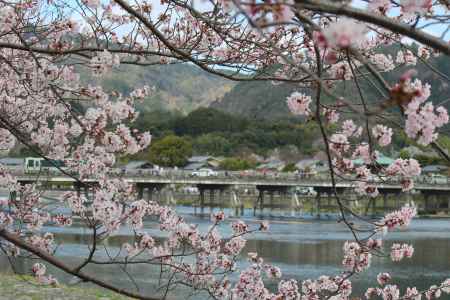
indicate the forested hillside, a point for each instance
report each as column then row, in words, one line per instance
column 217, row 133
column 265, row 100
column 178, row 87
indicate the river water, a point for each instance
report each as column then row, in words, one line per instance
column 302, row 247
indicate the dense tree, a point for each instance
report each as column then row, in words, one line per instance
column 212, row 144
column 170, row 151
column 289, row 168
column 236, row 164
column 206, row 120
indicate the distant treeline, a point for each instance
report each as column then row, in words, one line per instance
column 220, row 134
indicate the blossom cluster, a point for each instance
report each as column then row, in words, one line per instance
column 399, row 218
column 298, row 104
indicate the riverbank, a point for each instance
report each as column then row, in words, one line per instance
column 19, row 287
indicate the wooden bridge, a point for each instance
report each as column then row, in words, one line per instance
column 271, row 191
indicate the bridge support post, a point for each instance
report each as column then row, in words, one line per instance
column 374, row 206
column 259, row 201
column 318, row 205
column 236, row 202
column 77, row 188
column 140, row 191
column 202, row 201
column 170, row 198
column 86, row 191
column 448, row 205
column 397, row 201
column 211, row 200
column 370, row 204
column 295, row 203
column 12, row 196
column 149, row 194
column 385, row 199
column 271, row 195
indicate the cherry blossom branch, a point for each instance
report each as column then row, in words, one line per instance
column 362, row 15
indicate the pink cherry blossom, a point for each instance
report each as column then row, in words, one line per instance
column 339, row 143
column 400, row 218
column 239, row 227
column 383, row 278
column 344, row 33
column 416, row 6
column 383, row 134
column 412, row 294
column 390, row 292
column 380, row 6
column 298, row 104
column 331, row 115
column 398, row 252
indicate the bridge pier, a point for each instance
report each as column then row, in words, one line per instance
column 211, row 188
column 170, row 200
column 79, row 187
column 295, row 203
column 270, row 190
column 235, row 202
column 146, row 190
column 328, row 192
column 318, row 204
column 435, row 201
column 13, row 196
column 386, row 193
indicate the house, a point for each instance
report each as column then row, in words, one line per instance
column 200, row 162
column 12, row 163
column 434, row 169
column 307, row 163
column 139, row 164
column 311, row 165
column 195, row 166
column 271, row 165
column 382, row 160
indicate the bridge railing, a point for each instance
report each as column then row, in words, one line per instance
column 230, row 176
column 250, row 176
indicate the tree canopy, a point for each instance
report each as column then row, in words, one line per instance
column 171, row 151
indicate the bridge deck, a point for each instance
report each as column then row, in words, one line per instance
column 233, row 179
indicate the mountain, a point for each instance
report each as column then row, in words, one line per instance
column 180, row 87
column 256, row 99
column 263, row 100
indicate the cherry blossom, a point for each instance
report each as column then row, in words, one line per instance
column 400, row 218
column 406, row 169
column 39, row 271
column 299, row 104
column 390, row 292
column 331, row 115
column 104, row 61
column 383, row 135
column 339, row 143
column 416, row 6
column 344, row 33
column 412, row 294
column 383, row 278
column 380, row 6
column 7, row 140
column 406, row 57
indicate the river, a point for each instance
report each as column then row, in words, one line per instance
column 301, row 247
